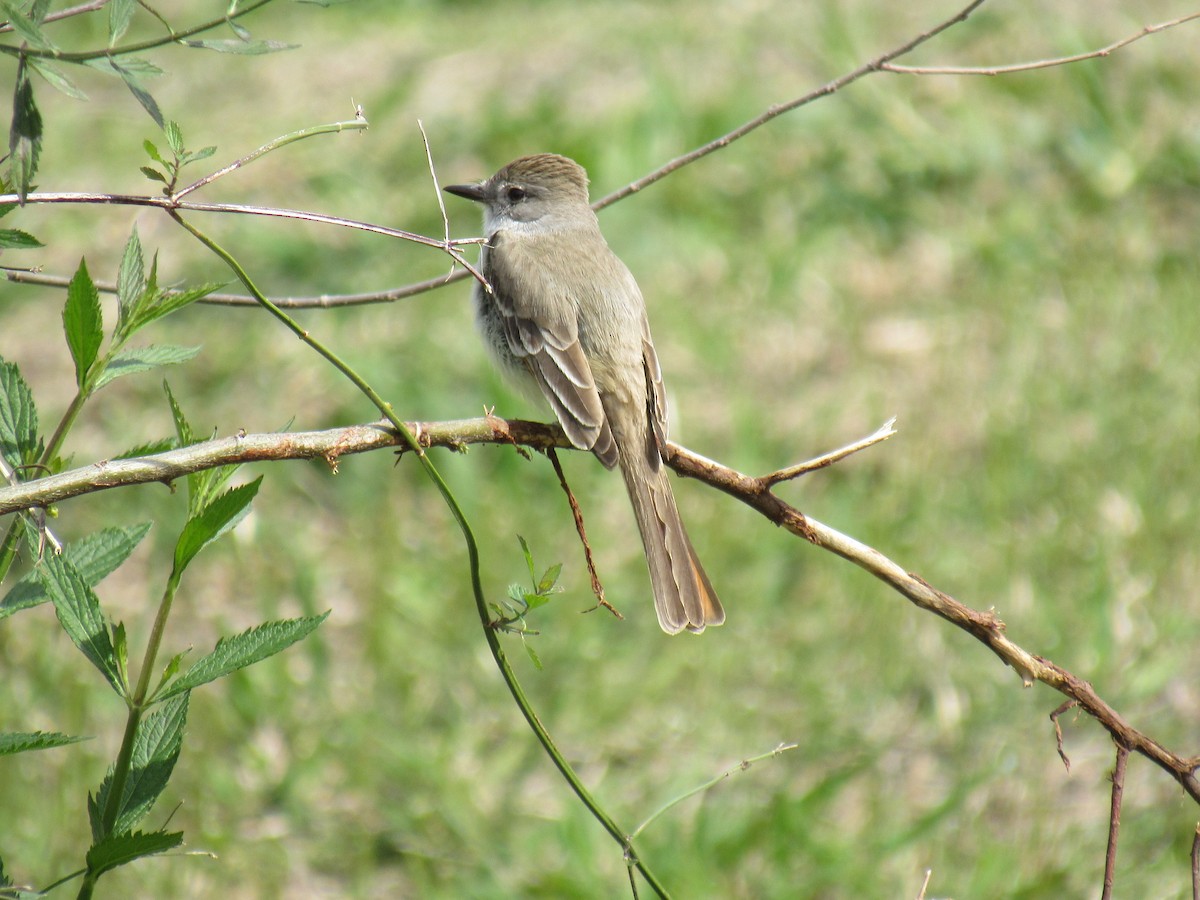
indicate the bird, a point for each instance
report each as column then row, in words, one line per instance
column 565, row 320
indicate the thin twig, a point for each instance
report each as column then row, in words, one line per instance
column 359, row 122
column 1196, row 865
column 712, row 782
column 885, row 431
column 64, row 13
column 1040, row 63
column 925, row 885
column 1058, row 735
column 1114, row 821
column 324, row 301
column 437, row 193
column 176, row 206
column 577, row 514
column 874, row 65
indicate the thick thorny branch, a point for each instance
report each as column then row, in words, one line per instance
column 755, row 491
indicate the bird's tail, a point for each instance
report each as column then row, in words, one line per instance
column 683, row 595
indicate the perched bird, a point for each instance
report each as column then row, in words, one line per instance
column 567, row 319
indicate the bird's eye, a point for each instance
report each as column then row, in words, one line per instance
column 514, row 194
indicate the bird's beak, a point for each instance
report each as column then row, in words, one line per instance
column 470, row 191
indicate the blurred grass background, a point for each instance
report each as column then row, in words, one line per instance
column 1009, row 265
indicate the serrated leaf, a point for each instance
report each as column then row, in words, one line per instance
column 94, row 556
column 152, row 152
column 18, row 418
column 528, row 557
column 131, row 279
column 56, row 78
column 174, row 136
column 217, row 517
column 169, row 302
column 150, row 448
column 156, row 749
column 82, row 322
column 78, row 610
column 171, row 669
column 196, row 155
column 243, row 650
column 16, row 239
column 20, row 741
column 516, row 593
column 119, row 849
column 183, row 428
column 120, row 13
column 25, row 133
column 246, row 48
column 132, row 360
column 24, row 26
column 153, row 174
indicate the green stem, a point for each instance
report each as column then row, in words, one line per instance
column 493, row 640
column 137, row 706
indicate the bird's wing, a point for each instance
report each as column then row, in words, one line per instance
column 542, row 330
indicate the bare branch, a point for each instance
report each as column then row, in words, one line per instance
column 1114, row 821
column 1196, row 865
column 1041, row 63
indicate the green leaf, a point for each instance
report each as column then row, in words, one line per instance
column 156, row 749
column 130, row 65
column 142, row 359
column 536, row 600
column 120, row 849
column 528, row 558
column 93, row 556
column 243, row 650
column 15, row 239
column 18, row 418
column 142, row 95
column 217, row 517
column 19, row 741
column 174, row 135
column 153, row 174
column 533, row 657
column 131, row 281
column 196, row 155
column 82, row 322
column 166, row 303
column 549, row 579
column 78, row 610
column 248, row 48
column 56, row 78
column 120, row 13
column 24, row 26
column 152, row 152
column 150, row 448
column 183, row 429
column 25, row 134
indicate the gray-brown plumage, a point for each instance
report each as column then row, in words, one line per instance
column 567, row 318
